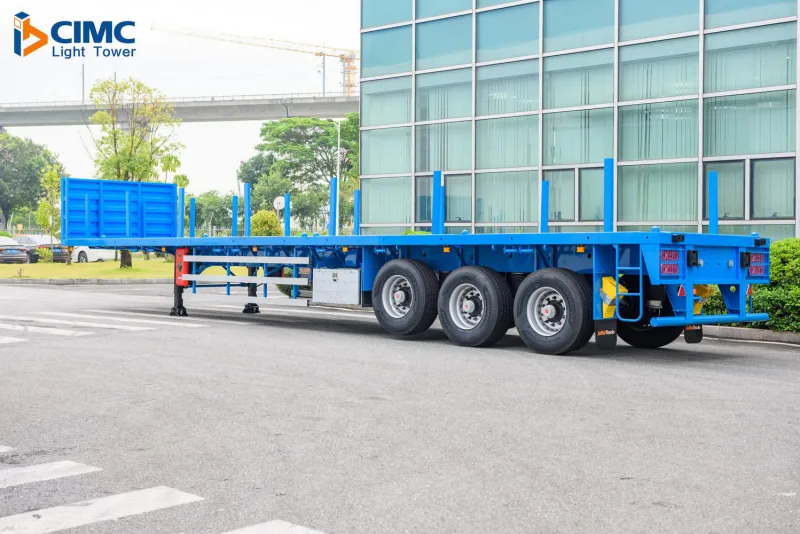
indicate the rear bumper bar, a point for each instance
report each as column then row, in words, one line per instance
column 709, row 319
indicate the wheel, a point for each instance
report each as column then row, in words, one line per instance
column 82, row 257
column 475, row 307
column 553, row 311
column 404, row 297
column 640, row 334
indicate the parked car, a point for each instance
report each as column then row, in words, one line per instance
column 36, row 243
column 12, row 252
column 86, row 254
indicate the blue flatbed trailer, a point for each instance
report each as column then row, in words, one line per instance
column 558, row 290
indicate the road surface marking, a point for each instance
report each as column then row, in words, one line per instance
column 40, row 472
column 275, row 527
column 42, row 330
column 308, row 312
column 95, row 511
column 75, row 323
column 121, row 319
column 161, row 316
column 9, row 340
column 12, row 298
column 4, row 449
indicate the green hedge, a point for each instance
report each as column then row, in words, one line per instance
column 780, row 299
column 287, row 290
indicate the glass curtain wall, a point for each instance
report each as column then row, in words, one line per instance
column 502, row 95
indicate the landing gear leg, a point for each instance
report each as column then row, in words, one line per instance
column 251, row 309
column 177, row 309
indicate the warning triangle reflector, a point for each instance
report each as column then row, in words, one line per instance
column 681, row 291
column 750, row 291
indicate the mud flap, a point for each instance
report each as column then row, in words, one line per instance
column 605, row 333
column 693, row 334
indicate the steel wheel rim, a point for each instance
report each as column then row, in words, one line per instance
column 547, row 311
column 466, row 306
column 397, row 296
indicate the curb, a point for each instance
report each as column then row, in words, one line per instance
column 85, row 281
column 751, row 334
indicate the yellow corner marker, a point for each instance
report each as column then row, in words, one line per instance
column 609, row 296
column 447, row 250
column 581, row 249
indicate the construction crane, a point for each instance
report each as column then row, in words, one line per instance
column 348, row 58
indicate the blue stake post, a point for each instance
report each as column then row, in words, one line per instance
column 357, row 212
column 713, row 203
column 334, row 222
column 181, row 228
column 287, row 214
column 247, row 210
column 438, row 204
column 192, row 215
column 608, row 195
column 545, row 217
column 235, row 218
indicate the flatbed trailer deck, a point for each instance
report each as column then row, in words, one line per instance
column 558, row 290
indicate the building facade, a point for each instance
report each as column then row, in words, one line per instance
column 501, row 95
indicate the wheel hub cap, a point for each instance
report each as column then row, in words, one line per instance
column 547, row 311
column 397, row 296
column 466, row 306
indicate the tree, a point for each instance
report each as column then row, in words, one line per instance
column 305, row 160
column 265, row 223
column 48, row 214
column 137, row 138
column 181, row 180
column 255, row 168
column 21, row 164
column 213, row 209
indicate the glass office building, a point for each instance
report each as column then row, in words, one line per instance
column 500, row 95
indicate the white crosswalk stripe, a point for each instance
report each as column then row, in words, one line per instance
column 275, row 527
column 95, row 511
column 161, row 318
column 4, row 449
column 40, row 472
column 45, row 320
column 123, row 319
column 9, row 340
column 44, row 330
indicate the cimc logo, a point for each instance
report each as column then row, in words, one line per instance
column 74, row 33
column 23, row 30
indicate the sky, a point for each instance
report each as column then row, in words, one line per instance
column 181, row 66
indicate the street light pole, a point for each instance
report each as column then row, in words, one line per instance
column 338, row 171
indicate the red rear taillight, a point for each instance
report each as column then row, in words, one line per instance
column 670, row 269
column 670, row 255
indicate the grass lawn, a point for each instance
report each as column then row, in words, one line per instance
column 155, row 268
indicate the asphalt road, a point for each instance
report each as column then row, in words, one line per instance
column 317, row 418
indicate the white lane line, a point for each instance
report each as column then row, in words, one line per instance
column 13, row 298
column 121, row 319
column 95, row 510
column 74, row 323
column 40, row 472
column 43, row 330
column 9, row 340
column 162, row 317
column 306, row 312
column 275, row 527
column 4, row 449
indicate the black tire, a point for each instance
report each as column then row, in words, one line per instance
column 573, row 312
column 422, row 292
column 647, row 337
column 640, row 334
column 494, row 308
column 82, row 258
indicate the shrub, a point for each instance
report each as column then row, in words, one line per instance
column 45, row 255
column 4, row 234
column 289, row 273
column 265, row 223
column 785, row 258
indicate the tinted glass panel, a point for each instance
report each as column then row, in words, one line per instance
column 508, row 88
column 386, row 52
column 755, row 57
column 591, row 194
column 730, row 189
column 458, row 198
column 750, row 124
column 386, row 102
column 507, row 197
column 381, row 13
column 640, row 19
column 730, row 12
column 658, row 70
column 435, row 50
column 444, row 95
column 562, row 194
column 386, row 151
column 773, row 189
column 578, row 137
column 579, row 79
column 658, row 192
column 444, row 147
column 508, row 142
column 386, row 200
column 577, row 23
column 509, row 32
column 433, row 8
column 424, row 194
column 666, row 130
